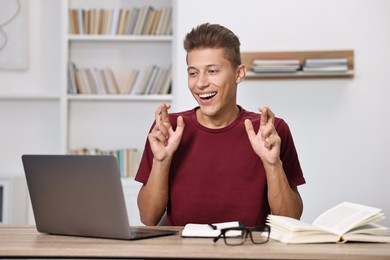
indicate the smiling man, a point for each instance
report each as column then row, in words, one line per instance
column 217, row 162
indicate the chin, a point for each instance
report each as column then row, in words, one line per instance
column 208, row 110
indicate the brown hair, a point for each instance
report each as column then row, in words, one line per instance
column 214, row 36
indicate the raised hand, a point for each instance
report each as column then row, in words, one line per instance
column 163, row 139
column 266, row 142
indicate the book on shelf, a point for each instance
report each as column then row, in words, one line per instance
column 128, row 158
column 275, row 65
column 149, row 88
column 149, row 21
column 325, row 65
column 329, row 69
column 154, row 22
column 121, row 21
column 134, row 13
column 97, row 80
column 160, row 81
column 145, row 20
column 165, row 24
column 109, row 81
column 274, row 62
column 72, row 85
column 167, row 83
column 209, row 230
column 129, row 84
column 313, row 62
column 276, row 69
column 106, row 21
column 93, row 21
column 86, row 19
column 146, row 74
column 73, row 21
column 114, row 21
column 344, row 222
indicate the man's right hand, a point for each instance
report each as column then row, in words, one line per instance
column 163, row 139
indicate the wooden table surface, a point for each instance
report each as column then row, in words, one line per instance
column 26, row 242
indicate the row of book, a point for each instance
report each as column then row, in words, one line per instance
column 315, row 65
column 146, row 20
column 128, row 158
column 155, row 80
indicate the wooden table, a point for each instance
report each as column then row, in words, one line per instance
column 26, row 242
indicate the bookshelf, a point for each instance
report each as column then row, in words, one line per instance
column 248, row 57
column 111, row 114
column 112, row 121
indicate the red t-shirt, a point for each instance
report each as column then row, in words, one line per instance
column 216, row 176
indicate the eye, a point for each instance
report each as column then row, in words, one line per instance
column 213, row 71
column 192, row 73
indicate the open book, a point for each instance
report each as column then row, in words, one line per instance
column 207, row 230
column 344, row 222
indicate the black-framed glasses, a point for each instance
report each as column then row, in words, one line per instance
column 237, row 235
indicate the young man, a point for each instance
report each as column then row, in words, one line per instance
column 217, row 162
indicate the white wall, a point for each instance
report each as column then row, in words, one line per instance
column 24, row 127
column 340, row 126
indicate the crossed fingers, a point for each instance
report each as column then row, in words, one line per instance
column 267, row 128
column 161, row 129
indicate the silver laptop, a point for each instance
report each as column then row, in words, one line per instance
column 80, row 195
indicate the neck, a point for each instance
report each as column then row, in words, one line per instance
column 221, row 120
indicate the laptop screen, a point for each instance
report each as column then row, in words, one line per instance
column 77, row 195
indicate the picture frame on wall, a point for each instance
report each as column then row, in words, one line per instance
column 14, row 34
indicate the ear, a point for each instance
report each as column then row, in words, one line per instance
column 240, row 73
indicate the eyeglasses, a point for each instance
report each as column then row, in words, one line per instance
column 237, row 235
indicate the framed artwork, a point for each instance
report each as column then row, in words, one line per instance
column 14, row 34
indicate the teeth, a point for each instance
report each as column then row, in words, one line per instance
column 207, row 95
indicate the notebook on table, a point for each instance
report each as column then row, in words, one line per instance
column 80, row 195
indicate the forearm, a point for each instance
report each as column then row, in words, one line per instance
column 153, row 196
column 283, row 199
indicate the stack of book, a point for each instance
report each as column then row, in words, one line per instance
column 128, row 159
column 275, row 66
column 136, row 21
column 326, row 65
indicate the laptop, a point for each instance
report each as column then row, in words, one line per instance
column 80, row 195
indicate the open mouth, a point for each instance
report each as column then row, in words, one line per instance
column 206, row 96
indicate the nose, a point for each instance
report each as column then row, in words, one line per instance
column 202, row 81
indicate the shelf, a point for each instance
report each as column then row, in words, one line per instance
column 299, row 74
column 248, row 57
column 26, row 96
column 120, row 38
column 86, row 97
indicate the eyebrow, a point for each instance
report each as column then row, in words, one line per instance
column 207, row 66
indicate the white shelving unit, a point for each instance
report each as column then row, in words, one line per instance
column 111, row 122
